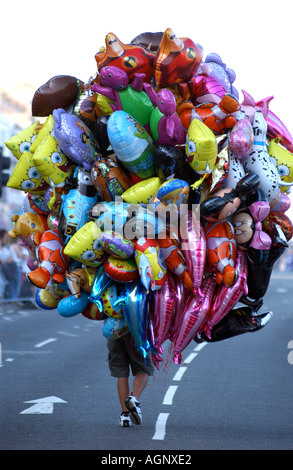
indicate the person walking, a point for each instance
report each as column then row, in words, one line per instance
column 123, row 357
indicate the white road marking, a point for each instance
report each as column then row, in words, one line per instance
column 160, row 430
column 190, row 358
column 200, row 346
column 47, row 341
column 169, row 395
column 42, row 405
column 179, row 374
column 65, row 333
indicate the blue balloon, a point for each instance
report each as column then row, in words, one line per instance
column 132, row 144
column 114, row 327
column 134, row 301
column 76, row 204
column 101, row 282
column 71, row 306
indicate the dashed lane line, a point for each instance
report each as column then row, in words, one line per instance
column 160, row 429
column 43, row 343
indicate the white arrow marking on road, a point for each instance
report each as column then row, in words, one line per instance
column 42, row 406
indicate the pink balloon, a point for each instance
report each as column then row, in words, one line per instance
column 181, row 294
column 207, row 89
column 161, row 311
column 193, row 247
column 227, row 297
column 276, row 128
column 194, row 315
column 241, row 138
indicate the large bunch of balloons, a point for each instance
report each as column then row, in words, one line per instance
column 154, row 200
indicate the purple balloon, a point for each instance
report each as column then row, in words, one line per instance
column 74, row 138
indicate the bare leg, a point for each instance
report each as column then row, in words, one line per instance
column 123, row 391
column 139, row 384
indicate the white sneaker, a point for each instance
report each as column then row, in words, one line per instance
column 133, row 405
column 125, row 420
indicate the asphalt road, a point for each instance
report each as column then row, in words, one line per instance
column 57, row 393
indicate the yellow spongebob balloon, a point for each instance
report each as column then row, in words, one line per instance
column 52, row 163
column 47, row 129
column 201, row 149
column 283, row 160
column 26, row 177
column 23, row 140
column 142, row 192
column 85, row 246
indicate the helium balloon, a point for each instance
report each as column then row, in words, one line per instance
column 196, row 310
column 53, row 263
column 221, row 251
column 143, row 191
column 70, row 306
column 79, row 279
column 74, row 138
column 114, row 328
column 23, row 140
column 86, row 106
column 132, row 144
column 174, row 260
column 110, row 297
column 101, row 136
column 214, row 67
column 177, row 60
column 121, row 270
column 101, row 282
column 123, row 96
column 46, row 129
column 92, row 312
column 238, row 321
column 194, row 250
column 217, row 117
column 52, row 163
column 241, row 137
column 155, row 268
column 227, row 297
column 109, row 179
column 131, row 58
column 163, row 307
column 201, row 148
column 283, row 160
column 116, row 244
column 165, row 124
column 84, row 246
column 76, row 203
column 25, row 177
column 135, row 307
column 258, row 161
column 171, row 161
column 58, row 92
